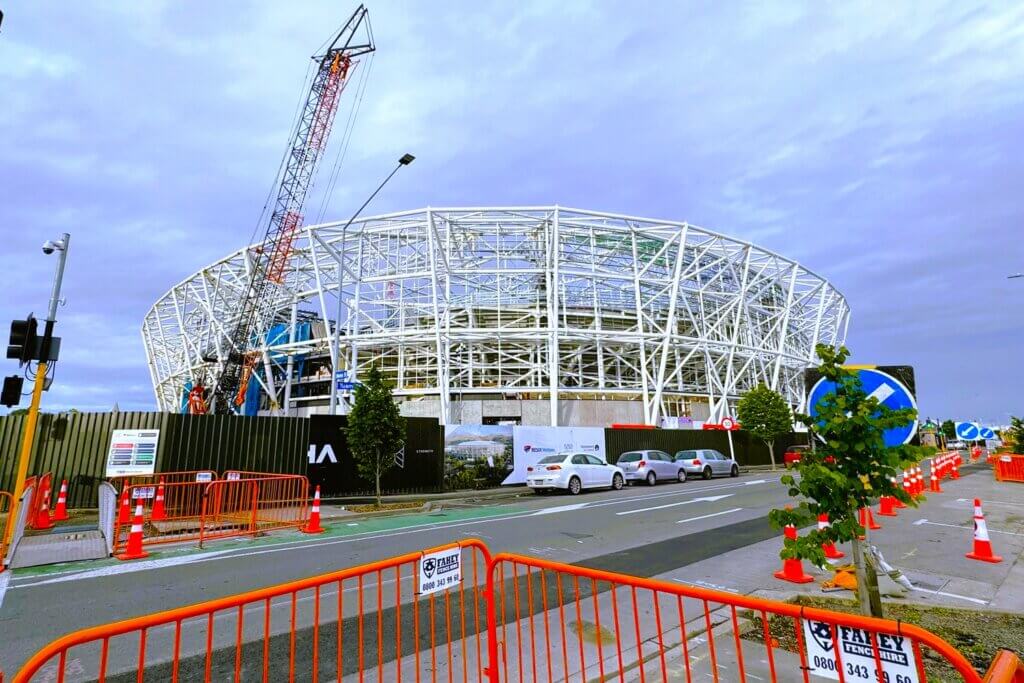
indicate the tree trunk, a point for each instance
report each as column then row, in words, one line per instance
column 771, row 452
column 868, row 595
column 376, row 478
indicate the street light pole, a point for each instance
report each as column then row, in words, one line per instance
column 49, row 247
column 336, row 359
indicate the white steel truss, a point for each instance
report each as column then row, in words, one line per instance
column 526, row 302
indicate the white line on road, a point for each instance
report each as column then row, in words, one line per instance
column 706, row 499
column 5, row 578
column 128, row 568
column 756, row 481
column 965, row 528
column 713, row 514
column 560, row 508
column 231, row 553
column 952, row 595
column 991, row 502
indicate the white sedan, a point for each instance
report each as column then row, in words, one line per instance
column 573, row 472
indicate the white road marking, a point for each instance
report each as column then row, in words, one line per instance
column 965, row 528
column 756, row 481
column 560, row 508
column 5, row 578
column 713, row 514
column 952, row 595
column 126, row 568
column 706, row 499
column 367, row 535
column 990, row 502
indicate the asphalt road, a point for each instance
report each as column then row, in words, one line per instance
column 642, row 531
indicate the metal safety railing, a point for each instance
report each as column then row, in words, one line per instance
column 188, row 476
column 334, row 626
column 1009, row 467
column 247, row 507
column 497, row 619
column 200, row 511
column 6, row 521
column 43, row 490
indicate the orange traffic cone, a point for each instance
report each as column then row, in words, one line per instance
column 896, row 502
column 134, row 550
column 954, row 469
column 831, row 552
column 919, row 478
column 982, row 546
column 43, row 520
column 124, row 513
column 886, row 507
column 314, row 516
column 793, row 570
column 159, row 512
column 936, row 486
column 61, row 512
column 867, row 520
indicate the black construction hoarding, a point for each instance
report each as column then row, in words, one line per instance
column 419, row 466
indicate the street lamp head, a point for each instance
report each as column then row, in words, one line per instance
column 1014, row 276
column 406, row 159
column 50, row 246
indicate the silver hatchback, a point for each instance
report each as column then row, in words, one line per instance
column 650, row 466
column 707, row 462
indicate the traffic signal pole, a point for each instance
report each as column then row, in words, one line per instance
column 37, row 393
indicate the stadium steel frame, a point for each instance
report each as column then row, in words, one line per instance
column 528, row 302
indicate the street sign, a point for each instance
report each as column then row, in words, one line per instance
column 857, row 654
column 341, row 375
column 968, row 431
column 882, row 386
column 987, row 433
column 440, row 570
column 132, row 451
column 345, row 386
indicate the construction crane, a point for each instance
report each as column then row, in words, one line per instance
column 269, row 260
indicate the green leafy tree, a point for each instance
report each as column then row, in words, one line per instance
column 948, row 429
column 766, row 415
column 376, row 429
column 851, row 470
column 1015, row 434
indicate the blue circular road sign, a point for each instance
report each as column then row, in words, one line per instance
column 969, row 431
column 987, row 433
column 887, row 389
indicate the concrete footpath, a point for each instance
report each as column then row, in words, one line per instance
column 926, row 543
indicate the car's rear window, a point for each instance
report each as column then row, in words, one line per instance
column 686, row 454
column 631, row 457
column 550, row 459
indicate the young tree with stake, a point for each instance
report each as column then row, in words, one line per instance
column 766, row 415
column 376, row 429
column 852, row 468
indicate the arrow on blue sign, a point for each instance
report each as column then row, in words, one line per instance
column 969, row 431
column 882, row 386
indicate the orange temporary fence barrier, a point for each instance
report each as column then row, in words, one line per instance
column 1009, row 467
column 1006, row 668
column 321, row 628
column 456, row 613
column 247, row 507
column 201, row 510
column 196, row 476
column 43, row 489
column 6, row 520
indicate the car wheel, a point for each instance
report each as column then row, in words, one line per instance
column 575, row 486
column 681, row 477
column 652, row 479
column 706, row 473
column 735, row 471
column 617, row 482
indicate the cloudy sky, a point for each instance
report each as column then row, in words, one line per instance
column 881, row 145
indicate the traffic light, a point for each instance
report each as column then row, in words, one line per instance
column 12, row 391
column 22, row 343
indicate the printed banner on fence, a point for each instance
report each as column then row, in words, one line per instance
column 144, row 492
column 439, row 571
column 857, row 654
column 132, row 451
column 530, row 444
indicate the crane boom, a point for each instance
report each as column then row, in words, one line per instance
column 269, row 260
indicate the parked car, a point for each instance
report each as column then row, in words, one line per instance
column 956, row 445
column 707, row 463
column 650, row 466
column 793, row 453
column 573, row 472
